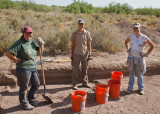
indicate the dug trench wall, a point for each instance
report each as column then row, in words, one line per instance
column 99, row 68
column 64, row 75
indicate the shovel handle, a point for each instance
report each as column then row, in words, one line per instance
column 10, row 65
column 42, row 68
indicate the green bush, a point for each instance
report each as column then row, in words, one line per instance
column 148, row 11
column 118, row 8
column 6, row 4
column 79, row 7
column 24, row 5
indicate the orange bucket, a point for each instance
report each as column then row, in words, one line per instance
column 114, row 91
column 102, row 93
column 78, row 100
column 117, row 75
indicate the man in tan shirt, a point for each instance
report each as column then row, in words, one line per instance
column 80, row 53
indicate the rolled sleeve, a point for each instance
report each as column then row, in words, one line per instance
column 15, row 48
column 89, row 38
column 146, row 38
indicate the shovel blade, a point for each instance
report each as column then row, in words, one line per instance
column 47, row 98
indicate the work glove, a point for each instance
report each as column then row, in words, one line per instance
column 40, row 41
column 142, row 54
column 71, row 57
column 129, row 50
column 90, row 57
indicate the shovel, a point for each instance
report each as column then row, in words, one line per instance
column 49, row 61
column 10, row 65
column 43, row 79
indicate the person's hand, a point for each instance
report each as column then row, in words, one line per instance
column 142, row 54
column 90, row 57
column 72, row 60
column 17, row 60
column 128, row 50
column 40, row 41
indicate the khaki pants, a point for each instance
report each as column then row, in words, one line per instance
column 76, row 68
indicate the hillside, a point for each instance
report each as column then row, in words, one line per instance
column 56, row 28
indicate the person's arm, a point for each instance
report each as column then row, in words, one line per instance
column 89, row 48
column 151, row 45
column 11, row 56
column 72, row 49
column 127, row 43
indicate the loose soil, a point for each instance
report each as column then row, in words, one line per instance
column 60, row 94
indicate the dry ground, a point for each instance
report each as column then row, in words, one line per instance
column 60, row 94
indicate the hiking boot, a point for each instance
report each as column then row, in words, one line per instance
column 129, row 91
column 141, row 92
column 34, row 103
column 86, row 85
column 75, row 87
column 27, row 107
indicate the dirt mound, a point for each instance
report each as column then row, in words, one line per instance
column 9, row 80
column 125, row 28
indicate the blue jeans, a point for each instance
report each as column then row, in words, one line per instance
column 136, row 71
column 26, row 76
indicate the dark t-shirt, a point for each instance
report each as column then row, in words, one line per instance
column 26, row 51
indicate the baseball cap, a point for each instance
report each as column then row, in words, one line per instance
column 27, row 29
column 136, row 25
column 81, row 21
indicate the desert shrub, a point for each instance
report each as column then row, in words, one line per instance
column 7, row 37
column 79, row 7
column 105, row 38
column 152, row 23
column 158, row 28
column 99, row 17
column 144, row 18
column 108, row 40
column 58, row 43
column 15, row 24
column 118, row 8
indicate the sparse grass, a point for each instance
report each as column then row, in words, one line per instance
column 7, row 37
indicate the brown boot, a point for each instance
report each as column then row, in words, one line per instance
column 141, row 92
column 75, row 87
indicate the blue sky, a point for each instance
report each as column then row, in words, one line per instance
column 102, row 3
